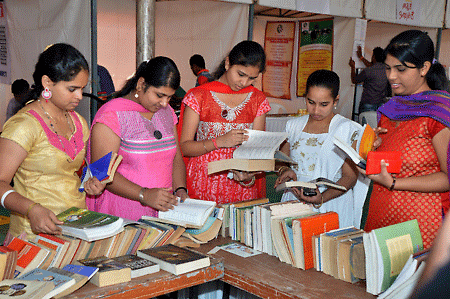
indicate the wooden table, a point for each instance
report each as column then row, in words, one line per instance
column 152, row 285
column 265, row 276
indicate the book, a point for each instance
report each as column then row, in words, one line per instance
column 29, row 255
column 258, row 153
column 139, row 266
column 8, row 259
column 61, row 282
column 189, row 213
column 387, row 250
column 174, row 259
column 58, row 248
column 73, row 246
column 103, row 169
column 22, row 289
column 90, row 225
column 81, row 269
column 109, row 271
column 79, row 281
column 304, row 229
column 351, row 259
column 313, row 184
column 65, row 245
column 367, row 139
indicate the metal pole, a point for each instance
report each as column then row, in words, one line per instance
column 438, row 43
column 145, row 30
column 94, row 75
column 251, row 13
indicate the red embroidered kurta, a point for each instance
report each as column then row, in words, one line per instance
column 203, row 100
column 414, row 139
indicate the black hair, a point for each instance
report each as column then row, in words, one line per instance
column 197, row 60
column 20, row 86
column 378, row 53
column 324, row 78
column 60, row 62
column 157, row 72
column 416, row 47
column 246, row 53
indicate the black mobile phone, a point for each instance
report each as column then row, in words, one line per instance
column 309, row 192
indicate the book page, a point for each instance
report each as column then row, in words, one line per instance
column 260, row 145
column 191, row 211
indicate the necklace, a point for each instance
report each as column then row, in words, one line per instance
column 52, row 127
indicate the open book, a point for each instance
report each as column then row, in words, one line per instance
column 258, row 153
column 103, row 169
column 311, row 184
column 191, row 213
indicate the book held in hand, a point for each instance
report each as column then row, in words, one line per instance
column 258, row 153
column 191, row 213
column 89, row 225
column 174, row 259
column 313, row 184
column 103, row 169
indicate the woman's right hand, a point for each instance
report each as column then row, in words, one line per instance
column 286, row 176
column 377, row 142
column 232, row 139
column 42, row 220
column 161, row 199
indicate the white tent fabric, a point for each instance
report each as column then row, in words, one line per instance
column 431, row 12
column 32, row 25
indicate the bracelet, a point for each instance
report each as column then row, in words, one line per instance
column 180, row 188
column 203, row 142
column 141, row 194
column 391, row 188
column 2, row 201
column 30, row 207
column 215, row 143
column 251, row 183
column 318, row 205
column 282, row 169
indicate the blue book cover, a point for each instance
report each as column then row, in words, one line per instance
column 98, row 169
column 45, row 275
column 80, row 269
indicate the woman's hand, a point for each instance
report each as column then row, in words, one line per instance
column 42, row 220
column 93, row 186
column 232, row 139
column 182, row 194
column 377, row 142
column 285, row 176
column 160, row 199
column 383, row 178
column 316, row 199
column 243, row 176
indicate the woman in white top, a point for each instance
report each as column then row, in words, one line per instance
column 310, row 144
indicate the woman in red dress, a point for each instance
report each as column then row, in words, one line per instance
column 214, row 119
column 416, row 123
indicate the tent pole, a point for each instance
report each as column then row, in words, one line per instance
column 145, row 30
column 438, row 43
column 94, row 76
column 251, row 13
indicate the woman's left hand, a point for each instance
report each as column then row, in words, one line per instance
column 243, row 176
column 93, row 186
column 182, row 194
column 383, row 178
column 316, row 199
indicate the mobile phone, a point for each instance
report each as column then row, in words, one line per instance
column 309, row 192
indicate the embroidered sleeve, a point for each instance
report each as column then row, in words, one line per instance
column 191, row 101
column 263, row 108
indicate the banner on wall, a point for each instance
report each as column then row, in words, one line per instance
column 5, row 62
column 315, row 50
column 279, row 48
column 408, row 12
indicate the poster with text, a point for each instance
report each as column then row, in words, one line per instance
column 5, row 65
column 408, row 12
column 315, row 50
column 279, row 48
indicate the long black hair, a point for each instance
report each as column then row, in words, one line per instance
column 157, row 72
column 60, row 62
column 246, row 53
column 416, row 47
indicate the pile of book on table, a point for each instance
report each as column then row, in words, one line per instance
column 95, row 247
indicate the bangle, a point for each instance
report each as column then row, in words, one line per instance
column 2, row 201
column 141, row 194
column 206, row 150
column 391, row 188
column 318, row 205
column 215, row 143
column 30, row 207
column 251, row 183
column 180, row 188
column 282, row 169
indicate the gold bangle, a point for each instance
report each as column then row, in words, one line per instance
column 282, row 169
column 30, row 207
column 321, row 203
column 203, row 142
column 252, row 182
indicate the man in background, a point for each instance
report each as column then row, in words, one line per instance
column 19, row 89
column 373, row 78
column 198, row 67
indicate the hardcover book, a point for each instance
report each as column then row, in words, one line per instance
column 174, row 259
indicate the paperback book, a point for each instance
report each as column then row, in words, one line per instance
column 103, row 169
column 21, row 289
column 61, row 282
column 311, row 185
column 109, row 271
column 139, row 266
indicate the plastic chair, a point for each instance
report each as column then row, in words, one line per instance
column 368, row 117
column 277, row 109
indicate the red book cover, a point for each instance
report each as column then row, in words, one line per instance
column 393, row 160
column 26, row 252
column 311, row 226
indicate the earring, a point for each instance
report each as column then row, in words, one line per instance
column 46, row 94
column 136, row 95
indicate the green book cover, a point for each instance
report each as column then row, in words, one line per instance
column 82, row 218
column 395, row 243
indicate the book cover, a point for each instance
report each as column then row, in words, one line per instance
column 392, row 159
column 90, row 225
column 103, row 169
column 16, row 288
column 139, row 266
column 367, row 139
column 65, row 255
column 109, row 272
column 209, row 230
column 29, row 255
column 350, row 259
column 73, row 246
column 11, row 262
column 59, row 249
column 305, row 228
column 79, row 281
column 174, row 259
column 61, row 282
column 81, row 269
column 313, row 184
